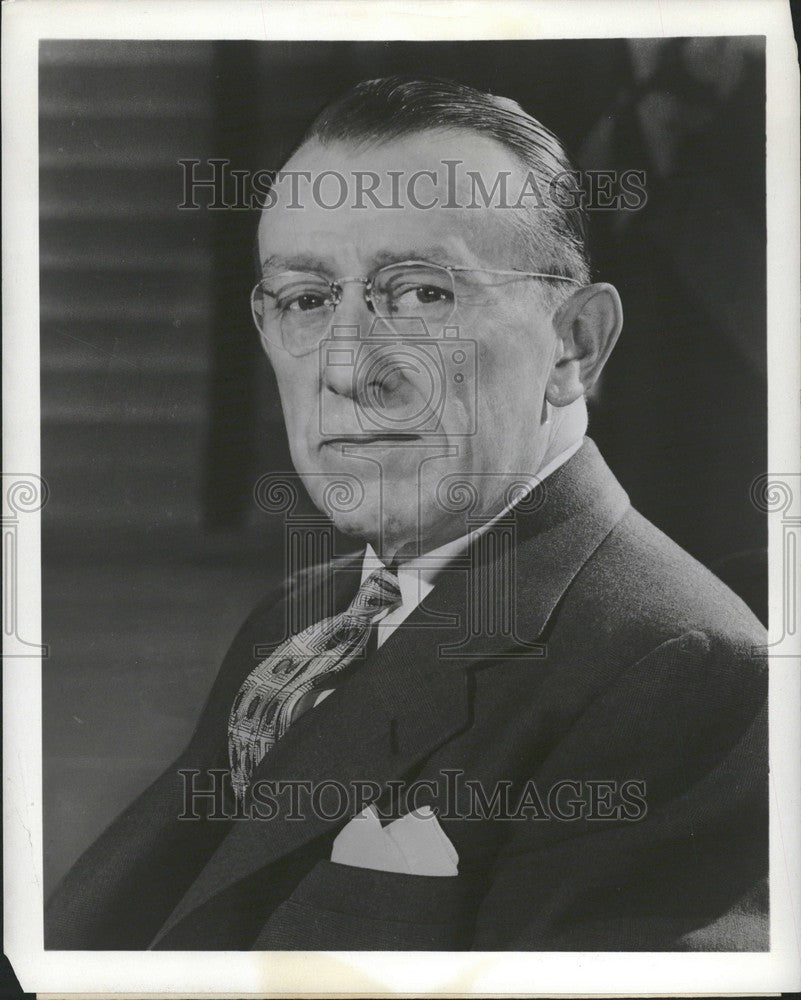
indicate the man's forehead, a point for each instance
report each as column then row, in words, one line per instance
column 416, row 196
column 422, row 150
column 448, row 251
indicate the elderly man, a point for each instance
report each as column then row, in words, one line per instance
column 520, row 717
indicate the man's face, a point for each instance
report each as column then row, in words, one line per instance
column 402, row 415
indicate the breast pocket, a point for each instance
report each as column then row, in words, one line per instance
column 343, row 908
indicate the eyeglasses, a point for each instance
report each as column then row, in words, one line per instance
column 294, row 309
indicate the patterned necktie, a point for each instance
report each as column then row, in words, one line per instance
column 263, row 709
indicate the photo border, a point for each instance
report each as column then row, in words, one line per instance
column 379, row 974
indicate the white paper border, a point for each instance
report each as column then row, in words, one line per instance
column 393, row 973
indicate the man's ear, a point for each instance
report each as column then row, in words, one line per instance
column 587, row 325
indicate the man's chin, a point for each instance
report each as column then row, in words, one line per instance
column 357, row 526
column 385, row 531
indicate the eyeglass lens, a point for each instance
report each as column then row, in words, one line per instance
column 294, row 309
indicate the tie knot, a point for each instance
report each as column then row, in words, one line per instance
column 380, row 590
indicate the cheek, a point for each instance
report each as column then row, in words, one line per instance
column 298, row 395
column 508, row 387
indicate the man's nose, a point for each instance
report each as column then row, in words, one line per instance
column 351, row 322
column 354, row 308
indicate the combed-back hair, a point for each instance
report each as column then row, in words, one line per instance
column 553, row 235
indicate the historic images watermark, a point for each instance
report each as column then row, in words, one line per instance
column 207, row 795
column 23, row 495
column 779, row 494
column 217, row 185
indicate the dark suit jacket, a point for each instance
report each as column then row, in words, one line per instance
column 645, row 672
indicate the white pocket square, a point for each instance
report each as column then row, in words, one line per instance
column 415, row 844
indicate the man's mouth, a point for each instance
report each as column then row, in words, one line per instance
column 379, row 437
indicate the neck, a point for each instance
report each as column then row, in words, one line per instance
column 567, row 426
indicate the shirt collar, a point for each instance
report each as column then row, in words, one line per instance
column 416, row 576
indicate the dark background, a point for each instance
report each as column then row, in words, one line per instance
column 159, row 412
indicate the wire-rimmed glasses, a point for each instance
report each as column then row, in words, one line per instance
column 294, row 309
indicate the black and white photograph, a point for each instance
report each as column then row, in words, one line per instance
column 409, row 518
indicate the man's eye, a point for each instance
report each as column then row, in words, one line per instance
column 429, row 293
column 425, row 295
column 304, row 302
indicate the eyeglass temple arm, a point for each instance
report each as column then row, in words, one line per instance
column 522, row 274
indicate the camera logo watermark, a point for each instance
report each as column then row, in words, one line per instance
column 374, row 364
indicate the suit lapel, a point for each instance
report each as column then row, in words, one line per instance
column 519, row 569
column 412, row 696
